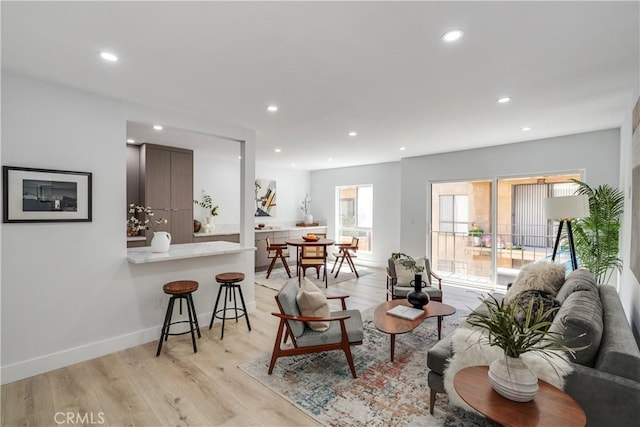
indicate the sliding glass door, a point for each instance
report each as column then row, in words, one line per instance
column 474, row 244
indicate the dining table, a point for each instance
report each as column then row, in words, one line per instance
column 299, row 242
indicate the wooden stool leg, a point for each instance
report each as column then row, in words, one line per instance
column 273, row 262
column 215, row 307
column 432, row 400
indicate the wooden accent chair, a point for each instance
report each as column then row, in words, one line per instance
column 347, row 251
column 277, row 251
column 345, row 329
column 398, row 281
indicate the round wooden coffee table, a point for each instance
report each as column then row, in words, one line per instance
column 550, row 407
column 393, row 325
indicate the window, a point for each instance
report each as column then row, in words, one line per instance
column 355, row 214
column 454, row 213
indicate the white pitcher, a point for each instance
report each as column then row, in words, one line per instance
column 160, row 241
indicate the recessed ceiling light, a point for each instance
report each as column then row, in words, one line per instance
column 239, row 157
column 277, row 150
column 452, row 35
column 353, row 133
column 403, row 148
column 272, row 108
column 293, row 164
column 526, row 128
column 131, row 141
column 108, row 56
column 157, row 127
column 330, row 159
column 504, row 100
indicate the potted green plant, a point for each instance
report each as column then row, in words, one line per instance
column 476, row 234
column 596, row 237
column 517, row 328
column 417, row 297
column 206, row 202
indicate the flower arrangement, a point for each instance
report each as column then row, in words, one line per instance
column 475, row 230
column 305, row 205
column 407, row 262
column 207, row 202
column 147, row 223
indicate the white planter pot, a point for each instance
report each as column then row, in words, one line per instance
column 161, row 241
column 308, row 219
column 511, row 378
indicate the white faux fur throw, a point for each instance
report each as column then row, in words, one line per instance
column 467, row 351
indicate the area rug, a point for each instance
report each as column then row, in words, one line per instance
column 278, row 277
column 384, row 394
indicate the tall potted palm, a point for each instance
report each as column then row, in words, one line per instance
column 596, row 237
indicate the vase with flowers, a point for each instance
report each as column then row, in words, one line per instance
column 417, row 298
column 143, row 218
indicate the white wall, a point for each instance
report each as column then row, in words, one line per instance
column 68, row 292
column 629, row 287
column 385, row 179
column 220, row 178
column 597, row 153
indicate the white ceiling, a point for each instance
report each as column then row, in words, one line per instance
column 378, row 68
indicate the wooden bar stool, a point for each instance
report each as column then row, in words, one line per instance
column 230, row 283
column 180, row 289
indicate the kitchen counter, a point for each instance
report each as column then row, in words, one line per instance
column 186, row 250
column 287, row 228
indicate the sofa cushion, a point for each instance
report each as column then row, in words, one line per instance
column 578, row 280
column 313, row 302
column 579, row 319
column 541, row 276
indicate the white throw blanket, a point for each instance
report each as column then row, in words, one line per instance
column 467, row 351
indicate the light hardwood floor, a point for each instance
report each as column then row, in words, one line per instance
column 180, row 388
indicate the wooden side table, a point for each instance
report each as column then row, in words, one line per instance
column 551, row 407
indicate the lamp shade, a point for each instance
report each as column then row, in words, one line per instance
column 566, row 207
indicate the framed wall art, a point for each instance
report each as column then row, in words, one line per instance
column 43, row 195
column 265, row 197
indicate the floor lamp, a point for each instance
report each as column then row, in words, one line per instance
column 564, row 209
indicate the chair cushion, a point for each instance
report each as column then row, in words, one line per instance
column 287, row 299
column 540, row 276
column 333, row 335
column 313, row 302
column 402, row 291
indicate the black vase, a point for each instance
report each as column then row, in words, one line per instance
column 417, row 298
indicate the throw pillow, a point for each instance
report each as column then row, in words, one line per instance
column 541, row 276
column 539, row 299
column 406, row 276
column 313, row 302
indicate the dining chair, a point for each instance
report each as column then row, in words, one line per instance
column 346, row 251
column 313, row 256
column 277, row 251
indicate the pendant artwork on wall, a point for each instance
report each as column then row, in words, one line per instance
column 265, row 197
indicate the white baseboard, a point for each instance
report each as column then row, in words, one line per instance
column 38, row 365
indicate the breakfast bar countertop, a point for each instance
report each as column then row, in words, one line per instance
column 185, row 250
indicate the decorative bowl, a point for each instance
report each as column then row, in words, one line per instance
column 310, row 239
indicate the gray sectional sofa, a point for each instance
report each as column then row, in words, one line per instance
column 606, row 377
